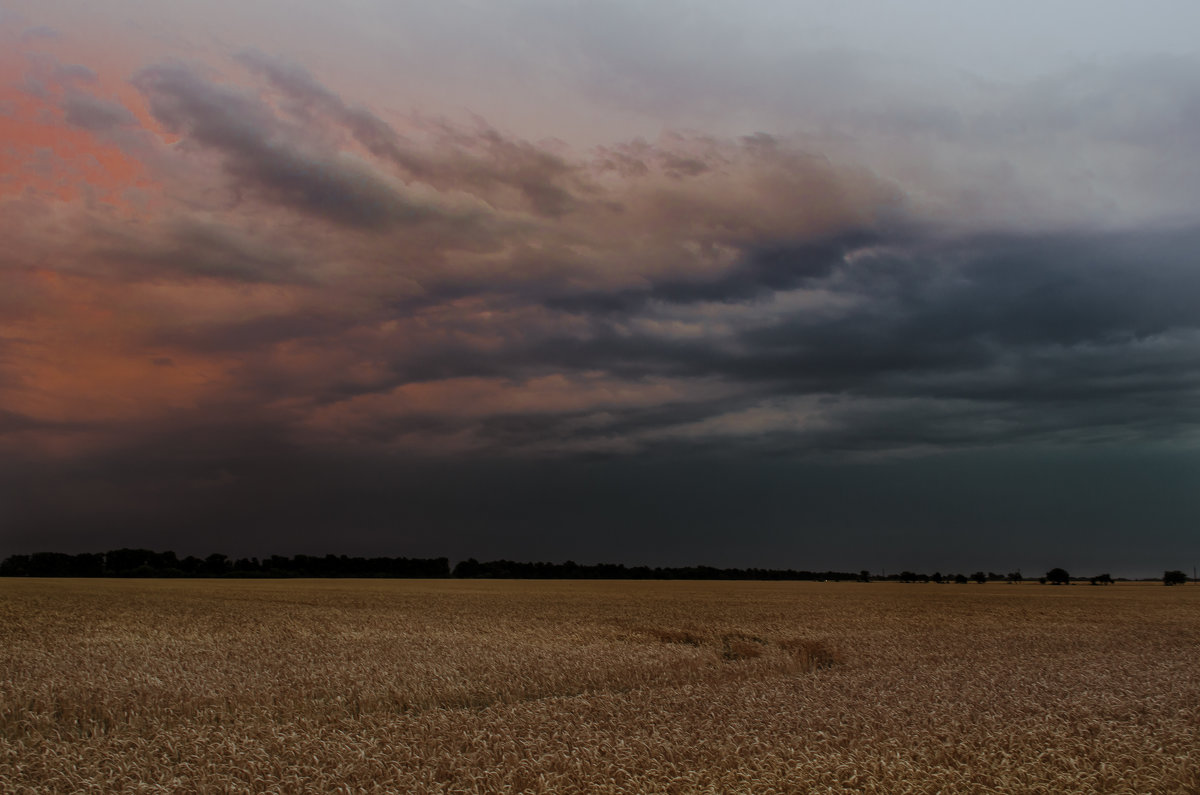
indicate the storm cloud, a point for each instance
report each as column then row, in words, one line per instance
column 794, row 287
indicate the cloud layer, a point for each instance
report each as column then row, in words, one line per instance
column 232, row 266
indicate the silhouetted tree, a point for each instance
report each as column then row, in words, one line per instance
column 960, row 579
column 1058, row 576
column 216, row 564
column 1015, row 576
column 165, row 562
column 1174, row 577
column 247, row 567
column 58, row 564
column 124, row 562
column 979, row 577
column 15, row 566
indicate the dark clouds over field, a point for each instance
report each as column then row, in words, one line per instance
column 686, row 299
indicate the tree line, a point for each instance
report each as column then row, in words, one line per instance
column 511, row 569
column 148, row 563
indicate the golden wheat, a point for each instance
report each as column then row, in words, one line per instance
column 478, row 687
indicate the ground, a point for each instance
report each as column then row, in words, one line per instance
column 511, row 686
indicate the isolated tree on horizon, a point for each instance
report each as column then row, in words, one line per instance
column 1058, row 576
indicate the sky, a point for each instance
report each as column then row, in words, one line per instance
column 812, row 285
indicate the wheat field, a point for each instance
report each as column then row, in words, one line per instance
column 607, row 687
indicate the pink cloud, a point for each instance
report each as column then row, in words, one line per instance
column 300, row 255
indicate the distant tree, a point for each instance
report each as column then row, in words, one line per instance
column 15, row 566
column 467, row 568
column 124, row 562
column 1102, row 579
column 246, row 567
column 936, row 576
column 1015, row 576
column 165, row 561
column 961, row 579
column 1058, row 576
column 979, row 577
column 864, row 576
column 216, row 565
column 1174, row 578
column 50, row 564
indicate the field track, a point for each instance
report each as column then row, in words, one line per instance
column 516, row 686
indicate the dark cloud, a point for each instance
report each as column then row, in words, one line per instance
column 73, row 74
column 310, row 101
column 922, row 343
column 797, row 285
column 932, row 343
column 96, row 114
column 490, row 346
column 45, row 76
column 482, row 160
column 264, row 156
column 762, row 270
column 190, row 248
